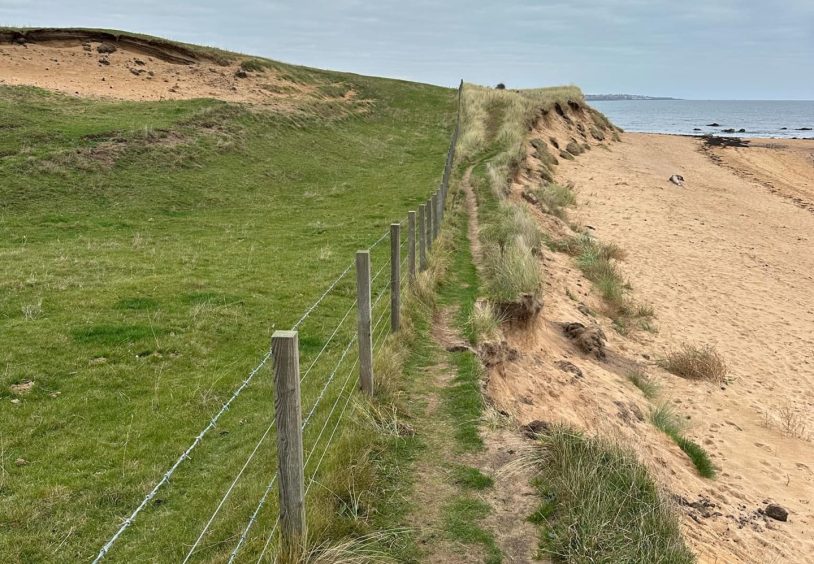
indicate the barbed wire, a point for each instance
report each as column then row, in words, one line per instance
column 316, row 442
column 328, row 342
column 322, row 297
column 330, row 440
column 167, row 475
column 263, row 499
column 328, row 382
column 228, row 492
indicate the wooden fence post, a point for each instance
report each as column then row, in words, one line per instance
column 422, row 236
column 395, row 276
column 288, row 414
column 411, row 245
column 363, row 326
column 430, row 220
column 436, row 216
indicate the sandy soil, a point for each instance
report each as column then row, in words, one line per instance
column 726, row 260
column 80, row 70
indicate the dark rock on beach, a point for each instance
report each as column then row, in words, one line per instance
column 776, row 512
column 713, row 141
column 714, row 124
column 803, row 129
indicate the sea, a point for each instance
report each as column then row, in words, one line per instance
column 759, row 118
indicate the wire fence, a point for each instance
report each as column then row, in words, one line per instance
column 328, row 397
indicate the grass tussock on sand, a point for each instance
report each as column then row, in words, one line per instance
column 666, row 420
column 696, row 363
column 599, row 263
column 601, row 505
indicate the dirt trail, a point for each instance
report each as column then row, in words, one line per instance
column 473, row 227
column 725, row 262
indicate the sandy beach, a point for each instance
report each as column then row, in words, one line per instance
column 725, row 261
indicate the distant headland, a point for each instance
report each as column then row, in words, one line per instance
column 594, row 97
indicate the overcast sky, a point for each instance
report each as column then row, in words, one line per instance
column 705, row 49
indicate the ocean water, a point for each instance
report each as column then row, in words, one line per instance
column 759, row 118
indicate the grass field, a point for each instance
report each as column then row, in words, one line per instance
column 147, row 253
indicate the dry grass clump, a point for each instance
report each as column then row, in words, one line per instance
column 484, row 322
column 509, row 223
column 788, row 421
column 555, row 198
column 511, row 271
column 696, row 363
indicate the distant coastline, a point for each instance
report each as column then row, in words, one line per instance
column 609, row 97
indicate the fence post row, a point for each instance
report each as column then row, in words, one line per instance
column 363, row 326
column 395, row 277
column 411, row 245
column 288, row 414
column 422, row 236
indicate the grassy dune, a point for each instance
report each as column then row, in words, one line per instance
column 147, row 253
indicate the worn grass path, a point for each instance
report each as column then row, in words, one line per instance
column 468, row 505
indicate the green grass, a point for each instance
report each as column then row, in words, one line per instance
column 461, row 518
column 601, row 505
column 645, row 383
column 471, row 478
column 665, row 419
column 598, row 261
column 156, row 246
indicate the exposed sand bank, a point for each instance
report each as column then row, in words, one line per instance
column 79, row 69
column 726, row 260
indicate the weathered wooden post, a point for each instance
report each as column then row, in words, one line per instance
column 288, row 414
column 435, row 216
column 363, row 326
column 430, row 220
column 395, row 276
column 411, row 245
column 422, row 236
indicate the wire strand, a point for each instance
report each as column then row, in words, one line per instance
column 328, row 342
column 322, row 297
column 228, row 492
column 328, row 382
column 167, row 475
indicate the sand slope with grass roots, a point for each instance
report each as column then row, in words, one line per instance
column 84, row 67
column 726, row 260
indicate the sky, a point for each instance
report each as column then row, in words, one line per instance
column 711, row 49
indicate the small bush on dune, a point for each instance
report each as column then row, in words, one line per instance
column 696, row 363
column 601, row 505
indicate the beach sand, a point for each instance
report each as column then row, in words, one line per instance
column 726, row 260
